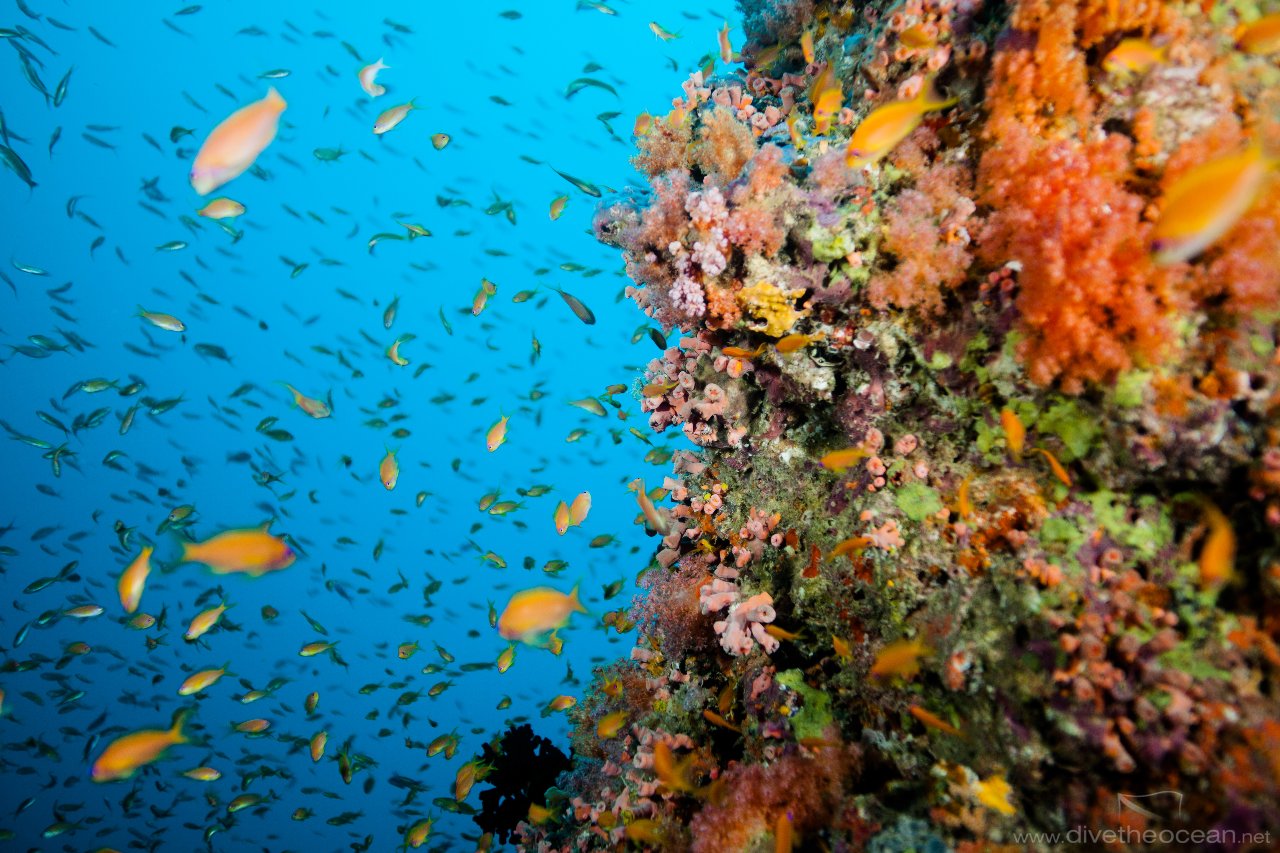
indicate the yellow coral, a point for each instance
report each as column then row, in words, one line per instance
column 773, row 306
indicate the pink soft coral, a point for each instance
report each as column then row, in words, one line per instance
column 927, row 233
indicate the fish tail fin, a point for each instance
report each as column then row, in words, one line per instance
column 575, row 601
column 179, row 720
column 932, row 99
column 276, row 99
column 188, row 551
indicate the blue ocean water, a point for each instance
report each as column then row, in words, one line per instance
column 300, row 297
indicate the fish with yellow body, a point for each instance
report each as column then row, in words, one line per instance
column 534, row 613
column 201, row 681
column 126, row 754
column 134, row 579
column 389, row 471
column 251, row 551
column 1261, row 37
column 1205, row 203
column 886, row 126
column 1134, row 56
column 203, row 622
column 1217, row 555
column 497, row 434
column 900, row 658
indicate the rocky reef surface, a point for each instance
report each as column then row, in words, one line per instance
column 981, row 538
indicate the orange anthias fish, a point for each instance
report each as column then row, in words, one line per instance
column 1217, row 556
column 252, row 551
column 572, row 515
column 1262, row 37
column 726, row 49
column 200, row 681
column 1015, row 434
column 918, row 37
column 134, row 579
column 900, row 658
column 1055, row 466
column 672, row 774
column 534, row 613
column 313, row 407
column 840, row 460
column 783, row 833
column 826, row 97
column 221, row 208
column 497, row 434
column 736, row 352
column 389, row 470
column 233, row 145
column 933, row 720
column 795, row 341
column 1134, row 56
column 203, row 622
column 1206, row 202
column 368, row 76
column 124, row 755
column 657, row 521
column 392, row 117
column 886, row 126
column 610, row 724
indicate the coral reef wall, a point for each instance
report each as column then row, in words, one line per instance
column 977, row 311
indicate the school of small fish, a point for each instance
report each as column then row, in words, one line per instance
column 231, row 540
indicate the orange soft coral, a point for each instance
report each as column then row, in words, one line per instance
column 726, row 145
column 1039, row 77
column 1091, row 301
column 663, row 148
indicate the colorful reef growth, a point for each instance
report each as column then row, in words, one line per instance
column 975, row 310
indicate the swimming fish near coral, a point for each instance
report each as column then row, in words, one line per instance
column 886, row 126
column 1205, row 203
column 1134, row 56
column 1217, row 555
column 1261, row 37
